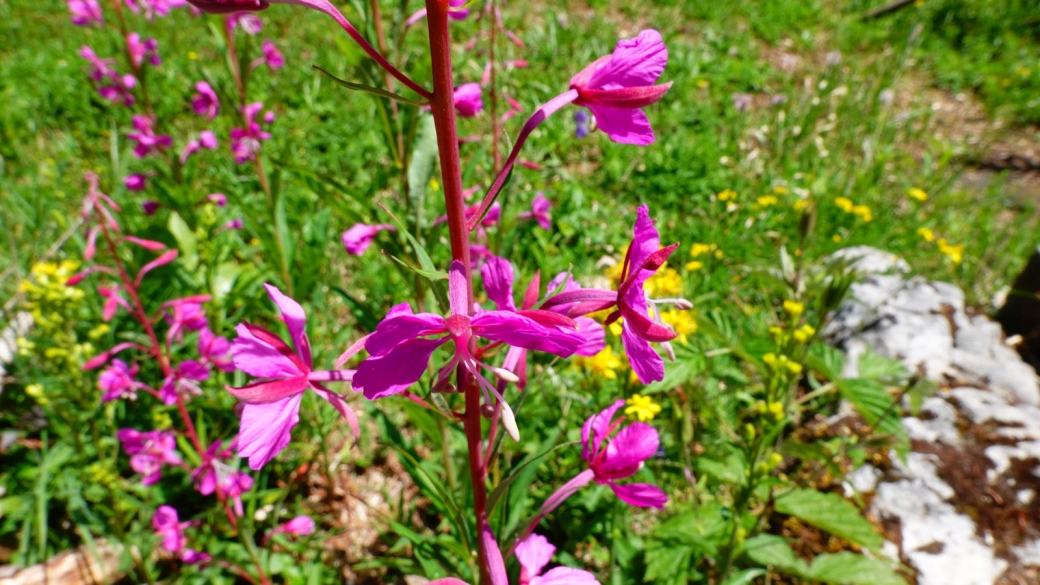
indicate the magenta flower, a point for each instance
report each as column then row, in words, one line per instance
column 400, row 347
column 85, row 12
column 117, row 381
column 234, row 224
column 298, row 526
column 644, row 257
column 272, row 57
column 100, row 69
column 215, row 349
column 137, row 182
column 534, row 553
column 150, row 207
column 113, row 300
column 149, row 452
column 622, row 456
column 153, row 8
column 140, row 50
column 467, row 100
column 245, row 142
column 185, row 314
column 498, row 283
column 194, row 557
column 250, row 22
column 539, row 211
column 216, row 476
column 616, row 86
column 146, row 139
column 119, row 90
column 207, row 139
column 168, row 526
column 457, row 13
column 272, row 405
column 360, row 236
column 183, row 381
column 205, row 101
column 218, row 199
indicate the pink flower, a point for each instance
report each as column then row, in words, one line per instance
column 616, row 86
column 453, row 14
column 245, row 142
column 206, row 140
column 272, row 405
column 194, row 557
column 146, row 139
column 153, row 8
column 250, row 22
column 400, row 347
column 205, row 101
column 185, row 314
column 183, row 381
column 539, row 211
column 168, row 526
column 272, row 57
column 234, row 224
column 85, row 12
column 139, row 50
column 467, row 100
column 117, row 381
column 149, row 452
column 218, row 199
column 150, row 207
column 645, row 256
column 216, row 476
column 298, row 526
column 100, row 69
column 622, row 456
column 360, row 236
column 113, row 300
column 137, row 182
column 216, row 350
column 118, row 91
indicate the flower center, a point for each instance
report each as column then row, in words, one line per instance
column 458, row 325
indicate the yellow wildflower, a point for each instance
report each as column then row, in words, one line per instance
column 719, row 254
column 727, row 195
column 781, row 190
column 794, row 308
column 643, row 407
column 161, row 420
column 435, row 185
column 918, row 194
column 35, row 391
column 99, row 331
column 682, row 322
column 926, row 234
column 777, row 410
column 702, row 83
column 804, row 333
column 954, row 253
column 615, row 329
column 836, row 238
column 193, row 55
column 666, row 282
column 604, row 364
column 863, row 212
column 844, row 203
column 699, row 249
column 770, row 359
column 794, row 367
column 767, row 200
column 694, row 266
column 800, row 204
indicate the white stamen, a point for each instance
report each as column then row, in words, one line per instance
column 504, row 374
column 509, row 422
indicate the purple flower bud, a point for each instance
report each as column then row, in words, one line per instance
column 136, row 182
column 150, row 207
column 467, row 100
column 218, row 198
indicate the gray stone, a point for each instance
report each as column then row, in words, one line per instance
column 939, row 424
column 862, row 480
column 869, row 260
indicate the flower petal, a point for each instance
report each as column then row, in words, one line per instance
column 624, row 98
column 458, row 292
column 520, row 331
column 595, row 336
column 259, row 359
column 642, row 495
column 648, row 366
column 396, row 370
column 635, row 62
column 400, row 326
column 267, row 392
column 266, row 428
column 498, row 282
column 595, row 430
column 565, row 576
column 623, row 125
column 295, row 321
column 341, row 405
column 534, row 553
column 632, row 446
column 496, row 566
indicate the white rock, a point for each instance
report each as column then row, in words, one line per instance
column 862, row 480
column 1028, row 554
column 869, row 260
column 939, row 426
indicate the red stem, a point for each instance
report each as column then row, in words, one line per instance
column 442, row 104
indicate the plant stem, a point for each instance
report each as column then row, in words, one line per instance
column 442, row 104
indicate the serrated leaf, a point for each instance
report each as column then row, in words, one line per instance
column 186, row 242
column 875, row 406
column 773, row 551
column 829, row 512
column 872, row 366
column 668, row 563
column 848, row 568
column 826, row 360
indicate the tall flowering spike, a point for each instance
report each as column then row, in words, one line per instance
column 616, row 86
column 534, row 553
column 245, row 142
column 468, row 100
column 360, row 236
column 403, row 343
column 272, row 405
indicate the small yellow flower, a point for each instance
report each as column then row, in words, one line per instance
column 781, row 190
column 836, row 238
column 775, row 459
column 863, row 212
column 193, row 55
column 777, row 410
column 666, row 282
column 794, row 367
column 800, row 204
column 604, row 364
column 435, row 185
column 844, row 203
column 719, row 254
column 727, row 195
column 926, row 234
column 694, row 266
column 770, row 359
column 702, row 83
column 794, row 308
column 643, row 407
column 700, row 249
column 99, row 331
column 35, row 391
column 615, row 329
column 161, row 420
column 767, row 200
column 804, row 333
column 750, row 432
column 918, row 194
column 682, row 323
column 954, row 253
column 613, row 272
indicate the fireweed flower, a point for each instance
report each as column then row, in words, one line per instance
column 468, row 100
column 272, row 405
column 140, row 50
column 153, row 8
column 117, row 381
column 205, row 102
column 245, row 142
column 150, row 207
column 216, row 476
column 85, row 12
column 149, row 452
column 456, row 12
column 194, row 557
column 298, row 526
column 185, row 314
column 360, row 236
column 146, row 139
column 272, row 57
column 168, row 526
column 218, row 199
column 250, row 23
column 400, row 347
column 539, row 211
column 632, row 303
column 534, row 553
column 235, row 224
column 207, row 139
column 113, row 300
column 183, row 381
column 137, row 182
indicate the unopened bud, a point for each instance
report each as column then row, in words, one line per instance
column 504, row 374
column 669, row 351
column 683, row 304
column 509, row 422
column 487, row 411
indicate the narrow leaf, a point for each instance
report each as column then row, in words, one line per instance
column 370, row 89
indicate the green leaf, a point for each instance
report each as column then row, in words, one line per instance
column 364, row 315
column 501, row 488
column 875, row 405
column 668, row 563
column 421, row 165
column 849, row 568
column 370, row 89
column 745, row 577
column 773, row 551
column 829, row 512
column 872, row 366
column 186, row 241
column 826, row 360
column 430, row 274
column 224, row 277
